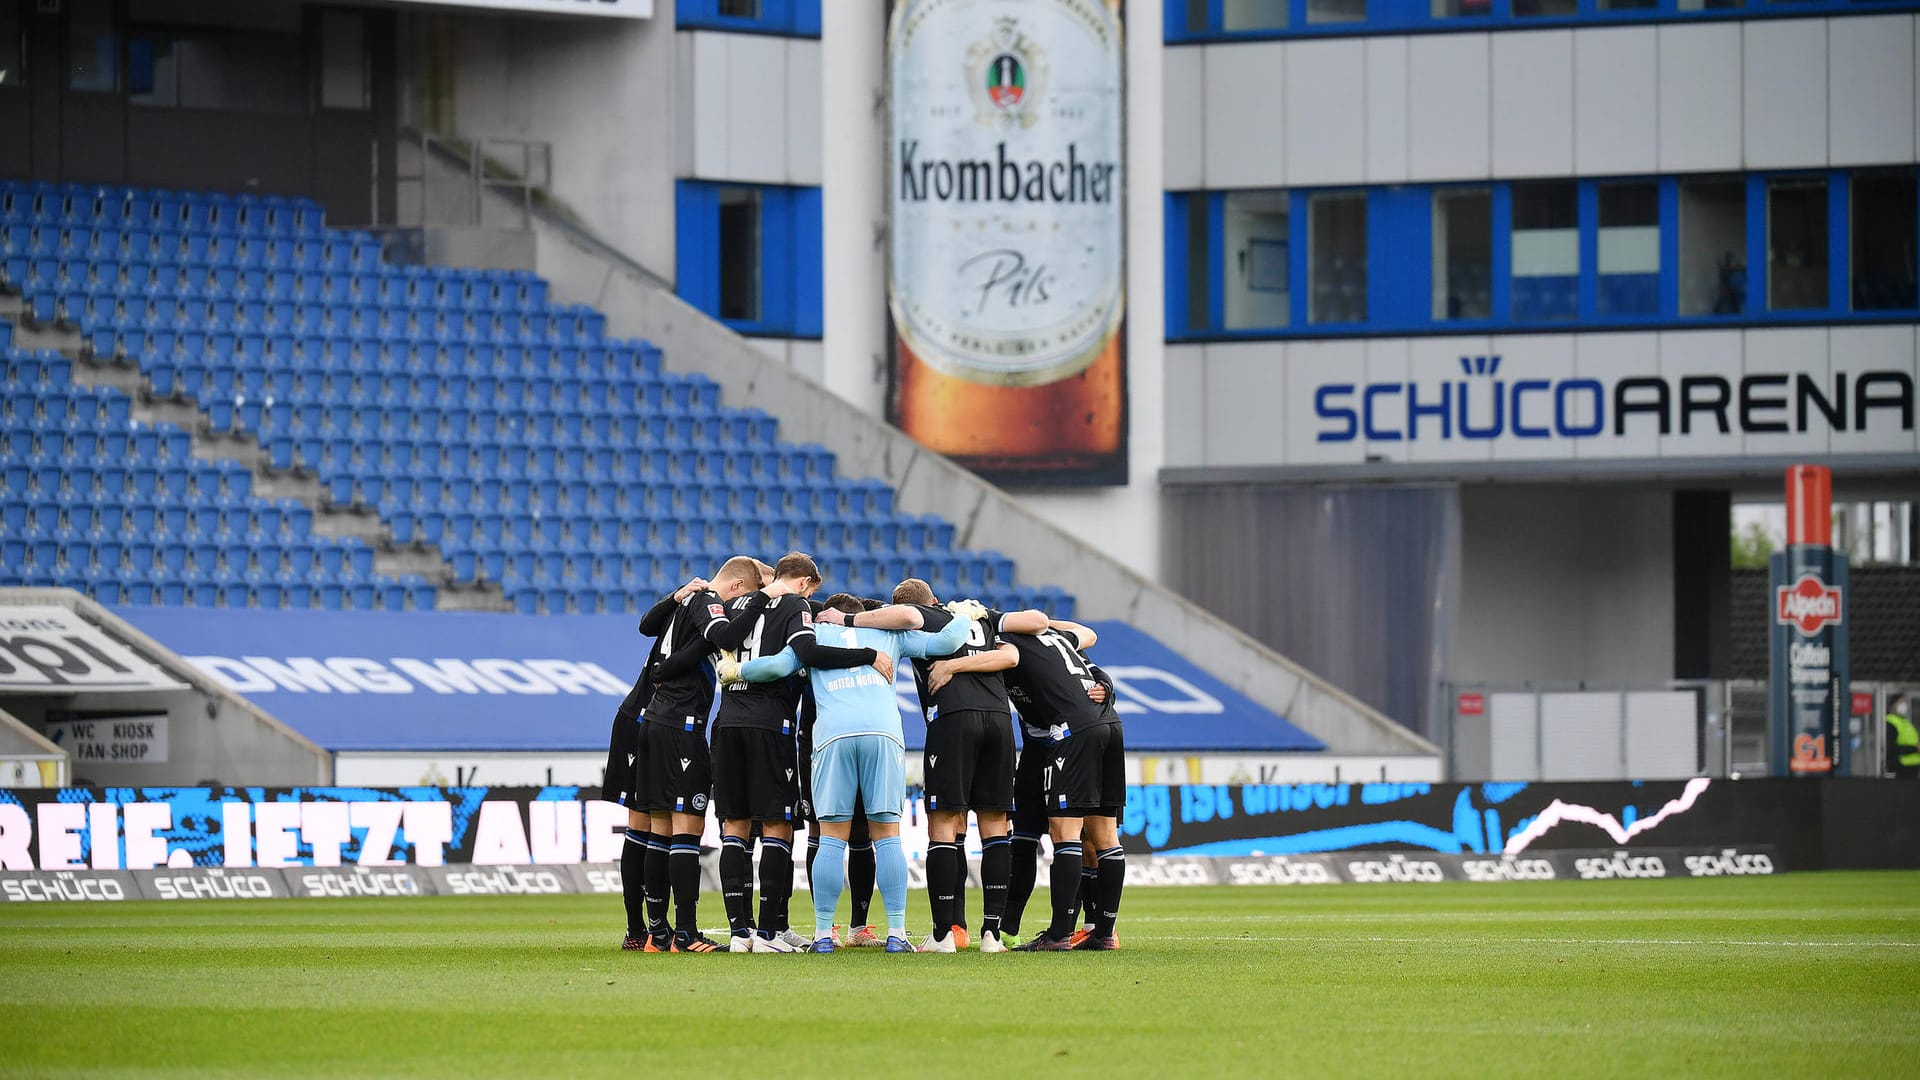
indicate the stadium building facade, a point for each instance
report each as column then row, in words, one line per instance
column 1452, row 332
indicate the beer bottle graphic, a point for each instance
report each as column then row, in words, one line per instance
column 1006, row 275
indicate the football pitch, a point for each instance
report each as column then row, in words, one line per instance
column 1805, row 974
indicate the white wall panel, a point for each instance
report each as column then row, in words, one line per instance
column 756, row 78
column 1704, row 353
column 1245, row 139
column 1435, row 375
column 1450, row 90
column 1787, row 352
column 1870, row 99
column 1326, row 112
column 704, row 85
column 803, row 112
column 1700, row 103
column 808, row 358
column 1309, row 366
column 1545, row 358
column 1387, row 109
column 1785, row 99
column 1533, row 103
column 1616, row 88
column 1858, row 349
column 1183, row 116
column 1245, row 392
column 1184, row 384
column 1608, row 357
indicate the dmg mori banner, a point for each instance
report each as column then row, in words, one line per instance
column 1006, row 286
column 451, row 681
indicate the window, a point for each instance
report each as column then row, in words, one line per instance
column 1884, row 233
column 740, row 9
column 1796, row 244
column 1546, row 7
column 254, row 71
column 792, row 18
column 344, row 72
column 1628, row 5
column 1336, row 11
column 1253, row 15
column 12, row 51
column 1448, row 9
column 1546, row 251
column 740, row 254
column 1199, row 263
column 1713, row 247
column 749, row 255
column 1462, row 254
column 93, row 50
column 1629, row 255
column 1258, row 276
column 1708, row 5
column 1338, row 249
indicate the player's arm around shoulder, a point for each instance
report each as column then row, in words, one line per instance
column 769, row 668
column 1031, row 621
column 1084, row 637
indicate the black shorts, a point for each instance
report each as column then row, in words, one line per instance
column 1029, row 794
column 620, row 777
column 1086, row 774
column 755, row 775
column 676, row 773
column 969, row 761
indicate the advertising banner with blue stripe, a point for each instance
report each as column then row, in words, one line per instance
column 390, row 681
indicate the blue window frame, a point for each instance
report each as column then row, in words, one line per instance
column 750, row 255
column 786, row 18
column 1783, row 248
column 1192, row 21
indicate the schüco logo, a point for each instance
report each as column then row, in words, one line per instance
column 1808, row 604
column 1729, row 863
column 504, row 881
column 1395, row 868
column 1620, row 865
column 1140, row 872
column 1507, row 869
column 1279, row 872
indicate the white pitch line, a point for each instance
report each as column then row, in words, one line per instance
column 1505, row 940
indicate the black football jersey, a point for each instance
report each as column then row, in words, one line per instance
column 1049, row 686
column 687, row 698
column 775, row 705
column 969, row 690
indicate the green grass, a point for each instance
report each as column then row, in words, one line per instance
column 1807, row 974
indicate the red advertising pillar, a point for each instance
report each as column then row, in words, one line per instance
column 1808, row 702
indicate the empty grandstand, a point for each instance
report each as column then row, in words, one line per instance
column 458, row 414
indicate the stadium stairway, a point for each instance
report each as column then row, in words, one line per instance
column 451, row 438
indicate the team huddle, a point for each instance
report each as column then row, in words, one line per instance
column 808, row 731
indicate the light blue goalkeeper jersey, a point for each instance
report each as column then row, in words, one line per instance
column 857, row 701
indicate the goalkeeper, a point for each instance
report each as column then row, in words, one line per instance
column 858, row 747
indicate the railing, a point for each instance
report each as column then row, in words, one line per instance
column 1683, row 728
column 513, row 168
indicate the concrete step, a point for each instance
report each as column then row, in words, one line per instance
column 364, row 523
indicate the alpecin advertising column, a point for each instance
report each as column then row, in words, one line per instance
column 1807, row 700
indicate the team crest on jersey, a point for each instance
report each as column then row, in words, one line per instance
column 700, row 802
